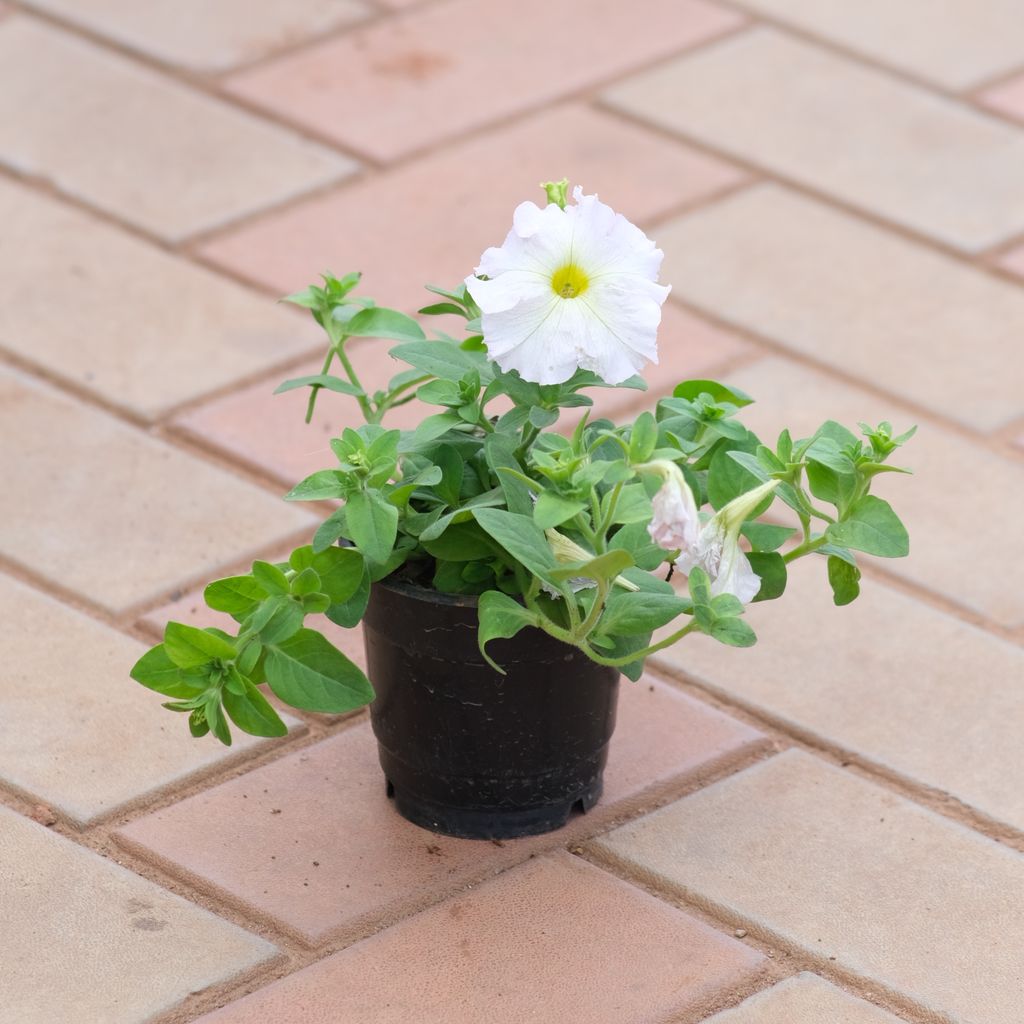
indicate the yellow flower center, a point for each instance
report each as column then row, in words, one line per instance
column 569, row 281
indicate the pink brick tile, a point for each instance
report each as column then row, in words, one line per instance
column 312, row 842
column 1013, row 260
column 1006, row 98
column 392, row 88
column 552, row 940
column 431, row 220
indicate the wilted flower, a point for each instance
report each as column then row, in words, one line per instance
column 566, row 552
column 717, row 550
column 570, row 288
column 675, row 524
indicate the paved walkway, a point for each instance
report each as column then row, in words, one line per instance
column 827, row 828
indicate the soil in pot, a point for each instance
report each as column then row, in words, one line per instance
column 465, row 750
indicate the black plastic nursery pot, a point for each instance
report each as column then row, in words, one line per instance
column 465, row 750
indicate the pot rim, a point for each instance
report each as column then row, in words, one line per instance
column 428, row 594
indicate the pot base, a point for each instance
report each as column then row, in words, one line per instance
column 470, row 823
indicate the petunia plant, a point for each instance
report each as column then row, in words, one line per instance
column 577, row 532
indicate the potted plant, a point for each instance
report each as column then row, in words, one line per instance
column 506, row 573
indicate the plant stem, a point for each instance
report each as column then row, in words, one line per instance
column 626, row 659
column 805, row 549
column 595, row 612
column 314, row 391
column 364, row 403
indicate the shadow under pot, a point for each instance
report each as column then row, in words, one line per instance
column 465, row 750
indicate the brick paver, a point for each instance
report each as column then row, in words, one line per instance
column 85, row 103
column 384, row 227
column 799, row 849
column 75, row 736
column 948, row 172
column 804, row 999
column 128, row 516
column 436, row 72
column 208, row 37
column 930, row 697
column 855, row 297
column 950, row 553
column 85, row 940
column 148, row 331
column 312, row 841
column 838, row 191
column 551, row 920
column 965, row 46
column 1007, row 97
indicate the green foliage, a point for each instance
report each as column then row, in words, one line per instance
column 486, row 496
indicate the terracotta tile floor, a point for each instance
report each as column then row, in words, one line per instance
column 837, row 189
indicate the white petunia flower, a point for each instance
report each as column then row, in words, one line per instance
column 569, row 289
column 717, row 550
column 675, row 524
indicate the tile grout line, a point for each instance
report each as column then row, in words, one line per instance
column 790, row 735
column 767, row 175
column 766, row 939
column 196, row 82
column 959, row 95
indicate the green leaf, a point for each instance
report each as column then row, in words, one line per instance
column 631, row 614
column 378, row 322
column 726, row 605
column 306, row 582
column 429, row 430
column 277, row 619
column 253, row 713
column 189, row 647
column 501, row 617
column 728, row 479
column 871, row 526
column 499, row 451
column 603, row 567
column 452, row 466
column 521, row 537
column 693, row 389
column 733, row 632
column 348, row 613
column 325, row 483
column 216, row 721
column 765, row 536
column 329, row 531
column 441, row 308
column 372, row 524
column 156, row 671
column 461, row 542
column 542, row 418
column 844, row 579
column 340, row 570
column 440, row 392
column 236, row 595
column 246, row 662
column 439, row 358
column 644, row 438
column 307, row 672
column 772, row 570
column 272, row 579
column 553, row 510
column 321, row 380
